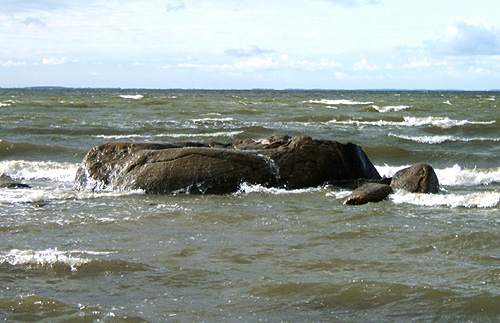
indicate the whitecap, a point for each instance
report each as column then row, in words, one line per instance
column 440, row 139
column 425, row 139
column 480, row 199
column 452, row 176
column 211, row 120
column 458, row 176
column 337, row 102
column 32, row 170
column 195, row 135
column 119, row 136
column 246, row 188
column 131, row 96
column 49, row 257
column 441, row 122
column 390, row 108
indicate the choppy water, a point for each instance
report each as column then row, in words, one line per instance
column 259, row 254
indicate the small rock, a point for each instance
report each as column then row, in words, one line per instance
column 419, row 178
column 369, row 192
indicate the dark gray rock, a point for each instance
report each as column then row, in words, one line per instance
column 369, row 192
column 278, row 160
column 419, row 178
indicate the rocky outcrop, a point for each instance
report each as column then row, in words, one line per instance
column 276, row 161
column 369, row 192
column 419, row 178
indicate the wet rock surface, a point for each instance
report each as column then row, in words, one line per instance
column 276, row 161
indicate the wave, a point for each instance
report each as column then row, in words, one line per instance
column 440, row 139
column 390, row 108
column 33, row 170
column 120, row 136
column 440, row 122
column 453, row 176
column 246, row 188
column 74, row 260
column 46, row 258
column 212, row 120
column 132, row 96
column 337, row 102
column 229, row 134
column 473, row 200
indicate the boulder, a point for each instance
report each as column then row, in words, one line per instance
column 369, row 192
column 419, row 178
column 276, row 161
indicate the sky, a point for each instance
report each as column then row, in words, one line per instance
column 245, row 44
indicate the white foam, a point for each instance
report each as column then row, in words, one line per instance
column 246, row 188
column 480, row 199
column 458, row 176
column 30, row 170
column 49, row 257
column 389, row 171
column 337, row 102
column 211, row 120
column 195, row 135
column 440, row 139
column 2, row 104
column 453, row 176
column 441, row 122
column 390, row 108
column 131, row 96
column 118, row 136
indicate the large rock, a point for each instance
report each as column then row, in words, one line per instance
column 278, row 160
column 419, row 178
column 369, row 192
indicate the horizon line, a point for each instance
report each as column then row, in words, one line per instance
column 240, row 89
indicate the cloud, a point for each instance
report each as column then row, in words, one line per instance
column 11, row 63
column 363, row 65
column 323, row 64
column 36, row 22
column 253, row 64
column 256, row 63
column 247, row 51
column 468, row 37
column 418, row 64
column 55, row 61
column 175, row 6
column 354, row 3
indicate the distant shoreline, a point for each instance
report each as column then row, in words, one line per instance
column 253, row 89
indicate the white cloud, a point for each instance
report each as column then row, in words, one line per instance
column 253, row 64
column 469, row 37
column 175, row 6
column 256, row 63
column 247, row 51
column 35, row 22
column 55, row 61
column 340, row 75
column 11, row 63
column 418, row 64
column 323, row 64
column 363, row 65
column 351, row 3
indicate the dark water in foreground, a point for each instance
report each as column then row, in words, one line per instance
column 259, row 254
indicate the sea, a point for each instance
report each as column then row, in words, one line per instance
column 259, row 254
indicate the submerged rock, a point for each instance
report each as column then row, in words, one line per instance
column 276, row 161
column 369, row 192
column 419, row 178
column 14, row 185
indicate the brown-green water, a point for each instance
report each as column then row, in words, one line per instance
column 259, row 254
